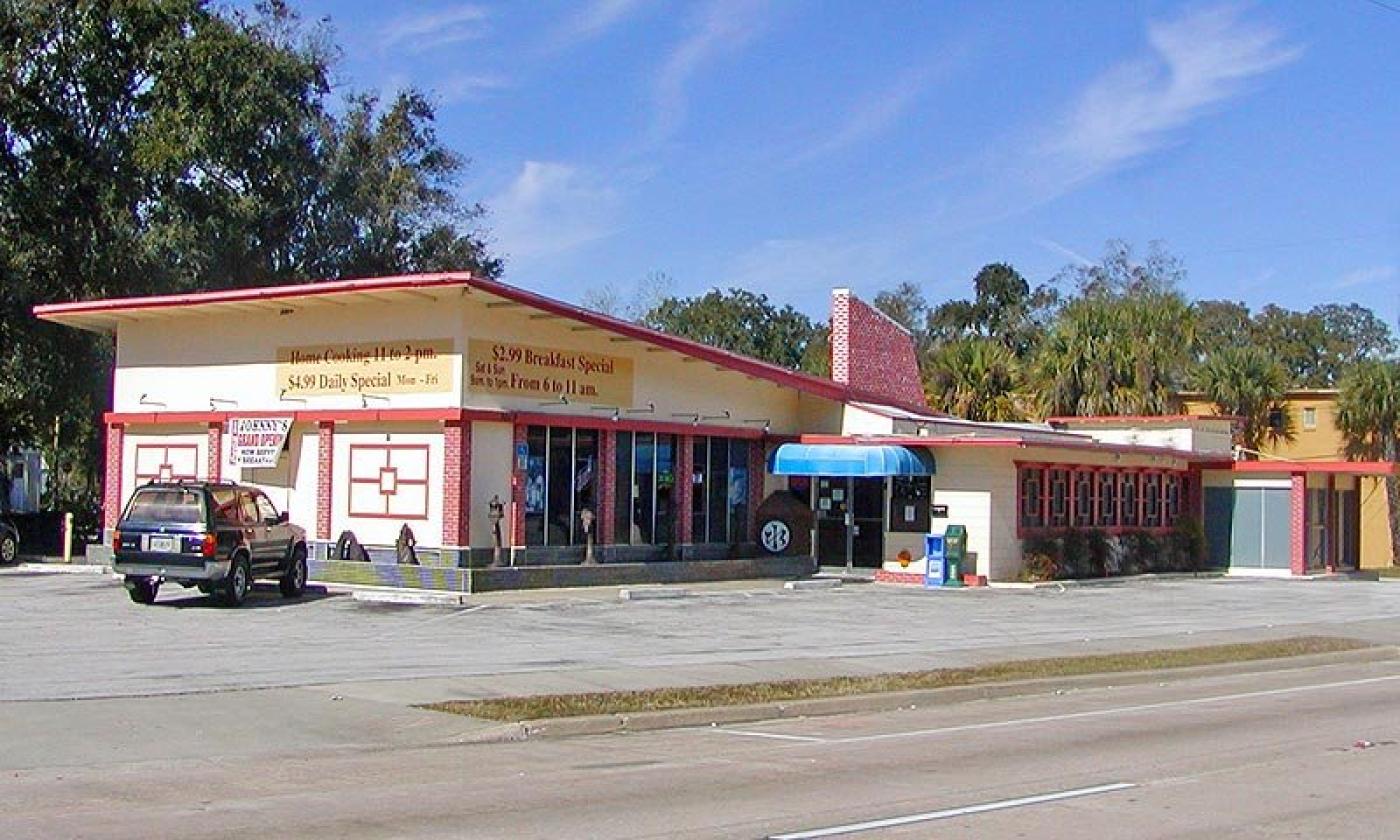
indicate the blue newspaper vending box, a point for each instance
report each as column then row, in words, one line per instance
column 936, row 570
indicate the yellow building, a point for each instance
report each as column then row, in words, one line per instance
column 1311, row 414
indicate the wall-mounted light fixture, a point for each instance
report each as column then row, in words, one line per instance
column 725, row 415
column 563, row 400
column 282, row 395
column 757, row 420
column 215, row 402
column 365, row 398
column 616, row 410
column 650, row 409
column 144, row 401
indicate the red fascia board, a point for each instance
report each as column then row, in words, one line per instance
column 347, row 415
column 1009, row 443
column 258, row 293
column 1375, row 468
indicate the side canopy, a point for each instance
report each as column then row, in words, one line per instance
column 854, row 460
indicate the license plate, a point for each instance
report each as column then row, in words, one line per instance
column 161, row 544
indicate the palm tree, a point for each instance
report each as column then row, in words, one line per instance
column 1368, row 414
column 1249, row 383
column 976, row 379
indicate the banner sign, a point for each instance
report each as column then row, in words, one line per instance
column 257, row 441
column 411, row 366
column 502, row 367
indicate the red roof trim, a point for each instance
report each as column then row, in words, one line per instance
column 260, row 293
column 344, row 415
column 777, row 374
column 1318, row 467
column 1005, row 443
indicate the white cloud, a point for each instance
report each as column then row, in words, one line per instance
column 1366, row 276
column 589, row 22
column 468, row 87
column 425, row 31
column 1063, row 250
column 1196, row 61
column 722, row 26
column 873, row 117
column 552, row 208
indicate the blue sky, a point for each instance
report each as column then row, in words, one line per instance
column 795, row 145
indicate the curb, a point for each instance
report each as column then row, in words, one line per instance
column 813, row 583
column 651, row 594
column 612, row 724
column 62, row 568
column 422, row 598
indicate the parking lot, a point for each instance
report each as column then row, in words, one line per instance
column 78, row 636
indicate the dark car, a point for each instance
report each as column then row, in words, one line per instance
column 9, row 543
column 214, row 535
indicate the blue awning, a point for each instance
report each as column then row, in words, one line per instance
column 849, row 459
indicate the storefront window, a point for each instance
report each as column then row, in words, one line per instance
column 645, row 488
column 622, row 490
column 1032, row 514
column 1083, row 499
column 1128, row 500
column 1059, row 498
column 910, row 496
column 1108, row 499
column 1152, row 500
column 561, row 479
column 720, row 478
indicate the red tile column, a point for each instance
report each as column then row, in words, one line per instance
column 325, row 474
column 517, row 489
column 112, row 478
column 607, row 486
column 214, row 468
column 685, row 489
column 758, row 466
column 456, row 483
column 1298, row 525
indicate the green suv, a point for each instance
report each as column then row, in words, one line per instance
column 217, row 536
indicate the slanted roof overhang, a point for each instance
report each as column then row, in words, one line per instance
column 105, row 316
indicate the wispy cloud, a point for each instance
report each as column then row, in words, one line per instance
column 721, row 26
column 551, row 208
column 1063, row 250
column 590, row 22
column 427, row 30
column 1195, row 62
column 468, row 87
column 1367, row 276
column 874, row 116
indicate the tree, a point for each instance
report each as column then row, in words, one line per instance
column 1368, row 415
column 171, row 145
column 1247, row 382
column 1221, row 324
column 976, row 379
column 739, row 321
column 1119, row 273
column 1004, row 308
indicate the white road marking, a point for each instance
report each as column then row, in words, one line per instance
column 777, row 736
column 1094, row 713
column 966, row 810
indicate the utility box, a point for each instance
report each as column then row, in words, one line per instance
column 955, row 553
column 935, row 567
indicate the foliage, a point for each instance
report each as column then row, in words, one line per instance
column 739, row 321
column 1248, row 383
column 172, row 145
column 976, row 379
column 1004, row 309
column 1368, row 415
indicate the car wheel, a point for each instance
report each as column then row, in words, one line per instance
column 293, row 583
column 9, row 548
column 240, row 580
column 142, row 589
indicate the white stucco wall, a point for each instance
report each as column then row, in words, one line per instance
column 492, row 445
column 371, row 445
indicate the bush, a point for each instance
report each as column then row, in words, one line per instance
column 1188, row 545
column 1040, row 559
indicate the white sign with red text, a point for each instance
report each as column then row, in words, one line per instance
column 257, row 441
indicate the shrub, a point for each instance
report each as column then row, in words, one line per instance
column 1188, row 544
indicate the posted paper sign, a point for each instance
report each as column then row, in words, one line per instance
column 257, row 441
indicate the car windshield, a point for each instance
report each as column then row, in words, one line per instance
column 166, row 504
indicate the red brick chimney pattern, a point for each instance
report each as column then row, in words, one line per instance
column 872, row 353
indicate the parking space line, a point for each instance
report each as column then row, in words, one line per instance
column 777, row 736
column 966, row 810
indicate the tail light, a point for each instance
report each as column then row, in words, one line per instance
column 116, row 539
column 207, row 547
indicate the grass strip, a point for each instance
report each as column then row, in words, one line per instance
column 542, row 706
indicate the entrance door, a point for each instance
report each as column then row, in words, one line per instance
column 850, row 521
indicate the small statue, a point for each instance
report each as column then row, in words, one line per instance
column 585, row 518
column 403, row 547
column 496, row 512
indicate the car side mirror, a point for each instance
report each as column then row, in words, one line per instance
column 282, row 518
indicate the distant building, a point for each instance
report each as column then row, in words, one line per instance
column 1317, row 443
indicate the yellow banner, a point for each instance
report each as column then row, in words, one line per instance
column 501, row 367
column 411, row 366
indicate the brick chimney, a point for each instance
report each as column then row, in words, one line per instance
column 872, row 353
